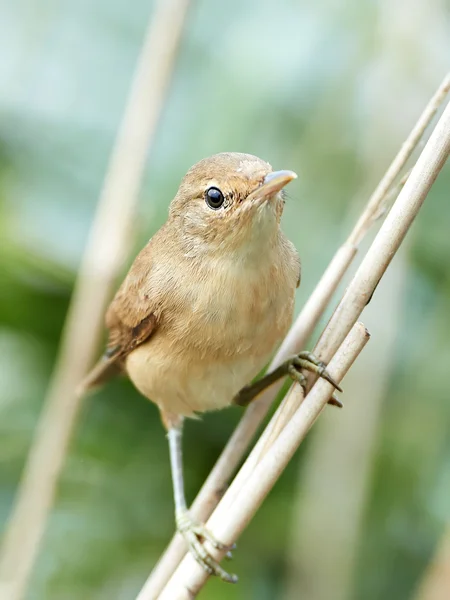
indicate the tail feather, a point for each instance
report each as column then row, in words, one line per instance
column 104, row 370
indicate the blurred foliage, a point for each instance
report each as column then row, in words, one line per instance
column 295, row 83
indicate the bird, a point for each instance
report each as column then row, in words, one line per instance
column 204, row 306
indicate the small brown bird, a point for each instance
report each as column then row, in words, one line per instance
column 204, row 306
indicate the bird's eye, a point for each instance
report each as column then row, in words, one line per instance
column 214, row 198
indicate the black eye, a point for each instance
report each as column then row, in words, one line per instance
column 214, row 197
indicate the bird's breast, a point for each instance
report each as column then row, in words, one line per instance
column 233, row 309
column 218, row 330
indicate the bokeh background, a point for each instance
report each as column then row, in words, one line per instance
column 329, row 89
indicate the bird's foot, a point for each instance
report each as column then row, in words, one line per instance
column 306, row 360
column 195, row 534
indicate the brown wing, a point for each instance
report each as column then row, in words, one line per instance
column 130, row 320
column 124, row 338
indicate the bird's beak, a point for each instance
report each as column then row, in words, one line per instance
column 272, row 184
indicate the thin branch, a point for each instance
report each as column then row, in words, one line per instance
column 376, row 202
column 108, row 244
column 389, row 238
column 252, row 483
column 339, row 461
column 230, row 518
column 339, row 457
column 295, row 341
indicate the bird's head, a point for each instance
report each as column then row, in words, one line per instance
column 229, row 200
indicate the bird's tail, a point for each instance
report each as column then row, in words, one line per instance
column 105, row 369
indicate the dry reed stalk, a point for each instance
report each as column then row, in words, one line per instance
column 108, row 244
column 339, row 460
column 216, row 483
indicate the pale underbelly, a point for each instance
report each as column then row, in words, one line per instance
column 182, row 385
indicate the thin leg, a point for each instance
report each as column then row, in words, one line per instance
column 291, row 367
column 176, row 465
column 194, row 533
column 249, row 392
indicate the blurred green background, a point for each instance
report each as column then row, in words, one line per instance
column 329, row 89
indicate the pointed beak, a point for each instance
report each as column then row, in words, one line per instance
column 272, row 184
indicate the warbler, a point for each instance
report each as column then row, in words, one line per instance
column 204, row 306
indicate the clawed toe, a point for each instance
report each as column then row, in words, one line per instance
column 307, row 360
column 296, row 375
column 334, row 401
column 195, row 534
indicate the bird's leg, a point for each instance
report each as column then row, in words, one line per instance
column 292, row 367
column 194, row 533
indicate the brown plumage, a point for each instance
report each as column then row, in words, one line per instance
column 205, row 304
column 210, row 286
